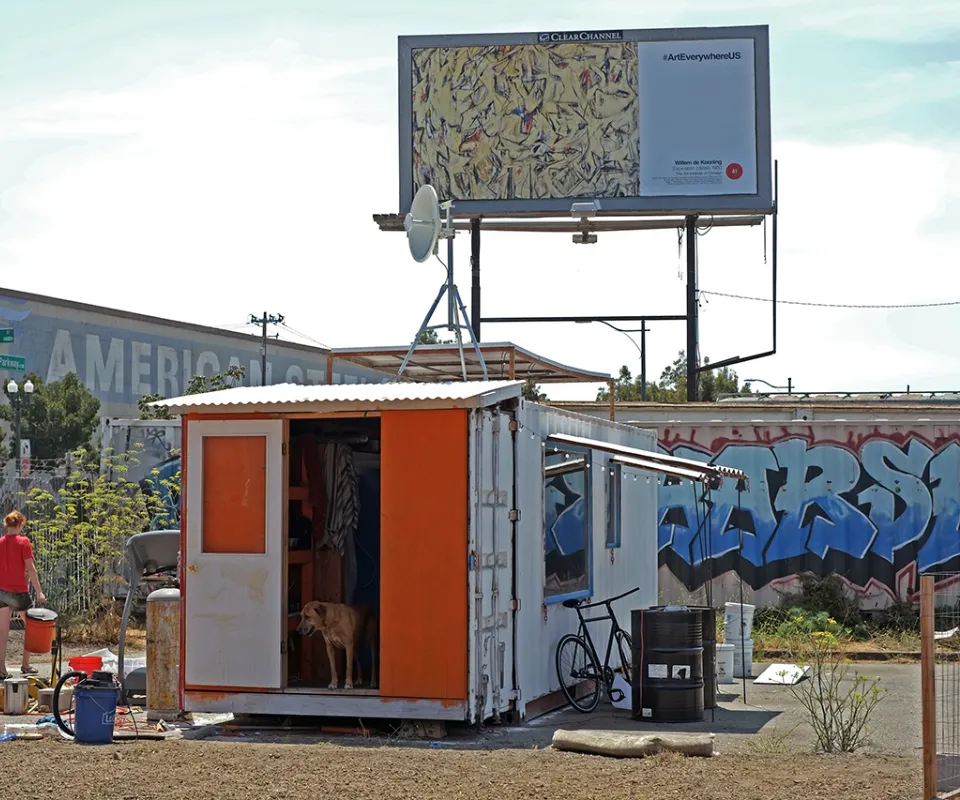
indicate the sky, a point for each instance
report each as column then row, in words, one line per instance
column 208, row 160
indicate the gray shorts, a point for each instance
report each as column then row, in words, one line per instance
column 17, row 601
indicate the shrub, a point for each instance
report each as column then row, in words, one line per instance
column 79, row 531
column 837, row 699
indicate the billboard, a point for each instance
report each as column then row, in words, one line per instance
column 645, row 121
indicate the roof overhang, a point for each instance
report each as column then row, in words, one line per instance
column 293, row 398
column 441, row 362
column 654, row 462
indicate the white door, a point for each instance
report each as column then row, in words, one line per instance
column 233, row 576
column 492, row 468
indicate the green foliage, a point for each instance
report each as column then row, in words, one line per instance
column 79, row 532
column 431, row 337
column 672, row 386
column 531, row 391
column 799, row 622
column 58, row 418
column 837, row 699
column 199, row 384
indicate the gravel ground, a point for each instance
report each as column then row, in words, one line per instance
column 187, row 770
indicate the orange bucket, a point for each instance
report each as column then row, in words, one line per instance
column 40, row 628
column 86, row 664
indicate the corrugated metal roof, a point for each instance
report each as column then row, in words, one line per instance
column 441, row 362
column 294, row 397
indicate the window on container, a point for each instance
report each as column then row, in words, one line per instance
column 614, row 500
column 567, row 525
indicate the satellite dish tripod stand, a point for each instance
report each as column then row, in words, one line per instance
column 455, row 309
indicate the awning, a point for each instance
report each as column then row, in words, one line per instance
column 654, row 462
column 441, row 362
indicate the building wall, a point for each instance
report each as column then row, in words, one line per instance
column 121, row 357
column 614, row 571
column 874, row 503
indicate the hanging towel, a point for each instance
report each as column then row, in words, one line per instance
column 343, row 497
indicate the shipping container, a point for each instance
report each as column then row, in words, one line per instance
column 469, row 521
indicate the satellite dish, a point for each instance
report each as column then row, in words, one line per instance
column 423, row 223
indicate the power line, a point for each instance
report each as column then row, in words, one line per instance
column 302, row 335
column 831, row 305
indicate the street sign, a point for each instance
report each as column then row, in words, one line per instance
column 13, row 363
column 6, row 335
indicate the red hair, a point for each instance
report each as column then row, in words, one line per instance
column 14, row 520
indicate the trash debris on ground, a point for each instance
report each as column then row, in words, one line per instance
column 782, row 675
column 625, row 703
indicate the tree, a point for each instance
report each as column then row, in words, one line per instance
column 59, row 417
column 672, row 386
column 531, row 391
column 199, row 384
column 431, row 337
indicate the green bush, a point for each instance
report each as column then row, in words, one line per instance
column 799, row 622
column 79, row 531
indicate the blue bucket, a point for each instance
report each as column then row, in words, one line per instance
column 95, row 709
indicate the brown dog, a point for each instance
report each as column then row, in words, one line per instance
column 346, row 628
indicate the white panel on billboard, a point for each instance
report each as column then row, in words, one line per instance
column 698, row 120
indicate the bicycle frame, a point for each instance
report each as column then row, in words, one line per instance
column 614, row 627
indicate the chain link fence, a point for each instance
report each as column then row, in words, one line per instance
column 77, row 552
column 940, row 683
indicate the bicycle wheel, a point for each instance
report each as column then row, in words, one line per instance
column 625, row 649
column 579, row 673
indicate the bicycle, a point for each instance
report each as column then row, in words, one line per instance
column 583, row 693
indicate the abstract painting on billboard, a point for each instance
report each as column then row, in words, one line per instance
column 529, row 121
column 644, row 120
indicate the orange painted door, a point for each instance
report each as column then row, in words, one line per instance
column 423, row 554
column 233, row 595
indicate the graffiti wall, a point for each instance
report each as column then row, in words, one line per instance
column 875, row 504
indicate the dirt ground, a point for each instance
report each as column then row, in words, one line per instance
column 187, row 770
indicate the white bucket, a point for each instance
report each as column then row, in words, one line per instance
column 743, row 654
column 731, row 622
column 725, row 663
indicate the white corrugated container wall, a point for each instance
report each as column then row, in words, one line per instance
column 634, row 563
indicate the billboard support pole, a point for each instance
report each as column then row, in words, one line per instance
column 692, row 310
column 475, row 275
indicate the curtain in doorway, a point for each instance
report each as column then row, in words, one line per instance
column 343, row 510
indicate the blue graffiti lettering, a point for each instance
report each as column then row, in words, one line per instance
column 898, row 474
column 944, row 541
column 895, row 503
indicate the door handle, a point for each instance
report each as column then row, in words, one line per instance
column 192, row 567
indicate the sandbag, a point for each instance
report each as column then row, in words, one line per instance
column 620, row 744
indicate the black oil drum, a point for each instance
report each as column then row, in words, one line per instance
column 668, row 665
column 710, row 691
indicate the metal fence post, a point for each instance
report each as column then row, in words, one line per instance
column 928, row 687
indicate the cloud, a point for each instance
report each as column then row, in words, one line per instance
column 880, row 20
column 238, row 185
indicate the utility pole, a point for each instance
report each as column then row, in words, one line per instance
column 643, row 360
column 266, row 319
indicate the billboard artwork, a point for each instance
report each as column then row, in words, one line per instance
column 644, row 121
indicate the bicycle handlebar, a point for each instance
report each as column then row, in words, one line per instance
column 609, row 600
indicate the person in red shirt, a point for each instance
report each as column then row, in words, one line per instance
column 16, row 565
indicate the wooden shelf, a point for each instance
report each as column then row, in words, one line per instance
column 299, row 556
